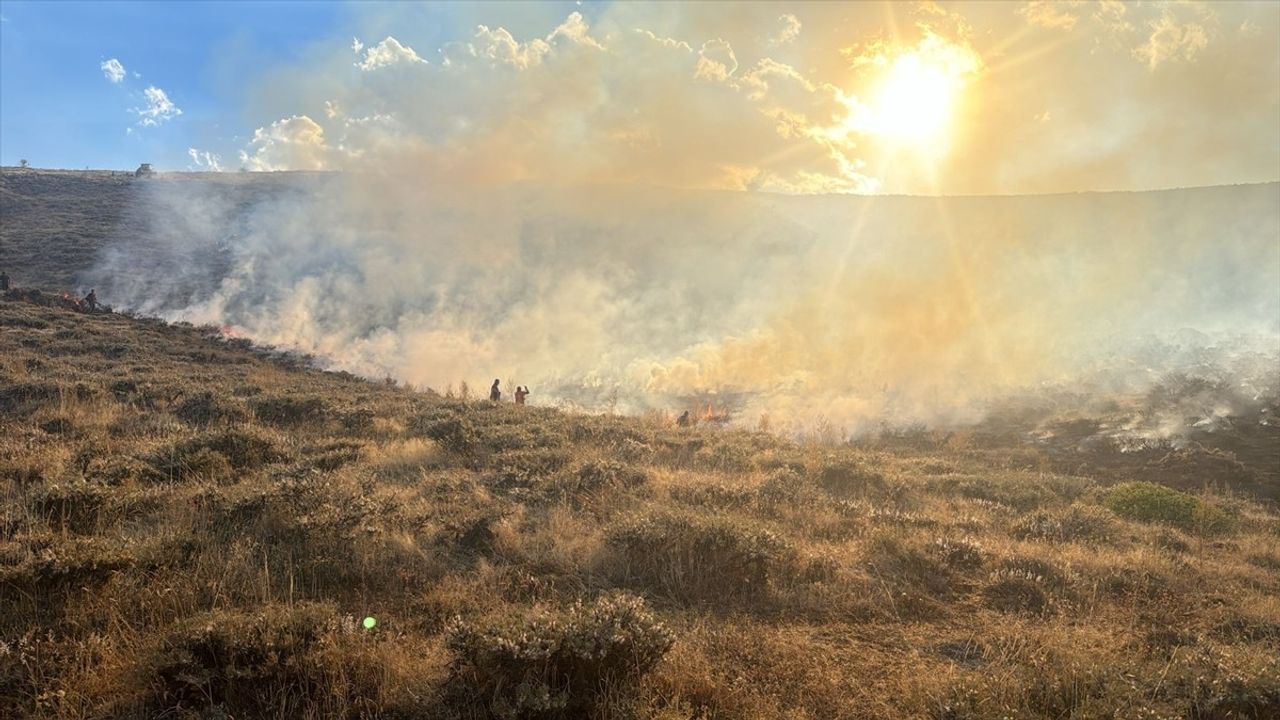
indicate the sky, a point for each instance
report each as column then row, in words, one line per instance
column 916, row 98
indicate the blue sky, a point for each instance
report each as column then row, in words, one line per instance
column 58, row 109
column 954, row 98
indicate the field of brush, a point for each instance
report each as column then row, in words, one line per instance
column 192, row 527
column 195, row 527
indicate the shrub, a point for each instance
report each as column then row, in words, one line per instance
column 527, row 467
column 1078, row 523
column 550, row 664
column 1152, row 503
column 214, row 455
column 454, row 434
column 260, row 663
column 600, row 474
column 287, row 410
column 74, row 507
column 848, row 477
column 205, row 409
column 905, row 565
column 1011, row 591
column 958, row 552
column 699, row 556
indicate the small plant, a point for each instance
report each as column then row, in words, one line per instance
column 1078, row 523
column 288, row 410
column 206, row 409
column 251, row 663
column 699, row 556
column 1152, row 503
column 958, row 552
column 454, row 434
column 558, row 664
column 847, row 477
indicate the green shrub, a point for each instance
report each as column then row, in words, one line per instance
column 699, row 556
column 558, row 664
column 1152, row 503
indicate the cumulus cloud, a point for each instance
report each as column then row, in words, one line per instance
column 1173, row 38
column 789, row 31
column 112, row 70
column 387, row 52
column 293, row 143
column 159, row 108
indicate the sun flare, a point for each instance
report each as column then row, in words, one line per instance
column 912, row 102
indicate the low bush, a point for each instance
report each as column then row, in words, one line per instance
column 557, row 664
column 74, row 507
column 1152, row 503
column 958, row 552
column 600, row 475
column 455, row 434
column 213, row 455
column 692, row 556
column 1078, row 523
column 253, row 664
column 206, row 409
column 289, row 410
column 848, row 477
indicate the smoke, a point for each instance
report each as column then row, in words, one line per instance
column 589, row 216
column 856, row 309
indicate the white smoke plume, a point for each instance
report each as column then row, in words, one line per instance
column 503, row 212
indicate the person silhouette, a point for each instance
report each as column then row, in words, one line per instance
column 521, row 393
column 494, row 393
column 683, row 420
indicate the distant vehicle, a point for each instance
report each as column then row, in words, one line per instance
column 144, row 170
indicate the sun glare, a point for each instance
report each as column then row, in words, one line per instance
column 912, row 102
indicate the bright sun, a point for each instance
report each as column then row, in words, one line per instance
column 912, row 104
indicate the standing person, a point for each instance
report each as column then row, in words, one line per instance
column 683, row 420
column 91, row 300
column 494, row 393
column 521, row 393
column 4, row 281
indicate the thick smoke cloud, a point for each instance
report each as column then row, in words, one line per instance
column 567, row 211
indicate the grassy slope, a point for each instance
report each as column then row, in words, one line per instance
column 188, row 526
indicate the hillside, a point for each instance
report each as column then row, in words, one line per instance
column 194, row 527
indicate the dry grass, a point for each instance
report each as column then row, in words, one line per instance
column 189, row 529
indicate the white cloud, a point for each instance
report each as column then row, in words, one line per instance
column 500, row 46
column 789, row 31
column 716, row 61
column 112, row 70
column 356, row 45
column 575, row 29
column 1172, row 39
column 159, row 109
column 1049, row 14
column 204, row 160
column 292, row 143
column 387, row 52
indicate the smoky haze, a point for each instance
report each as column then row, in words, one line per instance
column 856, row 310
